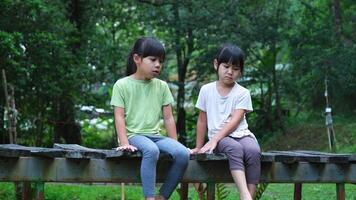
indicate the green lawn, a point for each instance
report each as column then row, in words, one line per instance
column 111, row 192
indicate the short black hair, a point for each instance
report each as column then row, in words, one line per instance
column 232, row 54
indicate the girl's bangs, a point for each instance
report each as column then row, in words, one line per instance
column 153, row 48
column 230, row 57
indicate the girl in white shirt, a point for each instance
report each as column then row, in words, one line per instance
column 223, row 105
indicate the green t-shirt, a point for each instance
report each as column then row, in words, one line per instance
column 142, row 101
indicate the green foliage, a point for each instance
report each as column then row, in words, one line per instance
column 56, row 56
column 261, row 188
column 98, row 133
column 222, row 191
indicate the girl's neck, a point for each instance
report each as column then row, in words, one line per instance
column 221, row 84
column 224, row 89
column 139, row 76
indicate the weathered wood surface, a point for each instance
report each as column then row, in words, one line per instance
column 74, row 163
column 80, row 152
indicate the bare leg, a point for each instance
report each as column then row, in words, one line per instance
column 149, row 198
column 240, row 181
column 252, row 189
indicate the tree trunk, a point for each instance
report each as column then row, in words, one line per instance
column 268, row 107
column 337, row 22
column 65, row 125
column 279, row 117
column 2, row 130
column 10, row 109
column 13, row 115
column 39, row 129
column 183, row 53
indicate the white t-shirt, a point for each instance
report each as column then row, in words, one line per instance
column 218, row 108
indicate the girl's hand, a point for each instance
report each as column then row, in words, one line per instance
column 194, row 151
column 209, row 147
column 127, row 147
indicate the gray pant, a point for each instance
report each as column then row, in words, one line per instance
column 243, row 154
column 151, row 146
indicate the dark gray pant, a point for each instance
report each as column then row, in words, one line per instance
column 243, row 154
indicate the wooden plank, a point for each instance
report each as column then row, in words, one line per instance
column 265, row 157
column 7, row 151
column 208, row 157
column 103, row 170
column 352, row 158
column 75, row 151
column 36, row 151
column 291, row 156
column 331, row 157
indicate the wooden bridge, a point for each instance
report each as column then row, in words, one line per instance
column 77, row 164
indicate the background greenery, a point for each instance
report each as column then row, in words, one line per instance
column 63, row 56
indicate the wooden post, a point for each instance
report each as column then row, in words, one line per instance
column 340, row 191
column 183, row 193
column 329, row 120
column 211, row 191
column 26, row 191
column 122, row 191
column 39, row 190
column 297, row 191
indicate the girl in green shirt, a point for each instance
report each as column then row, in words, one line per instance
column 140, row 101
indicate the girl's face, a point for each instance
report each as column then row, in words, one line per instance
column 148, row 67
column 227, row 72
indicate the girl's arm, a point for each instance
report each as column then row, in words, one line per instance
column 169, row 121
column 121, row 130
column 201, row 130
column 229, row 127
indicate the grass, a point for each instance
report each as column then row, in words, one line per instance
column 310, row 134
column 113, row 192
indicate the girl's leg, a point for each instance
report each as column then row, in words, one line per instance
column 240, row 181
column 252, row 158
column 150, row 154
column 252, row 189
column 234, row 151
column 180, row 156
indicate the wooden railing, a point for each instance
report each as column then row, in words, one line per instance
column 74, row 163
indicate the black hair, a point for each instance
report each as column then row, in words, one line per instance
column 231, row 54
column 144, row 47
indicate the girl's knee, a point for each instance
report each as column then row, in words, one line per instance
column 254, row 151
column 152, row 152
column 181, row 156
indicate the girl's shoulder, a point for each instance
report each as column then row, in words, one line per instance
column 159, row 83
column 241, row 90
column 122, row 81
column 209, row 86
